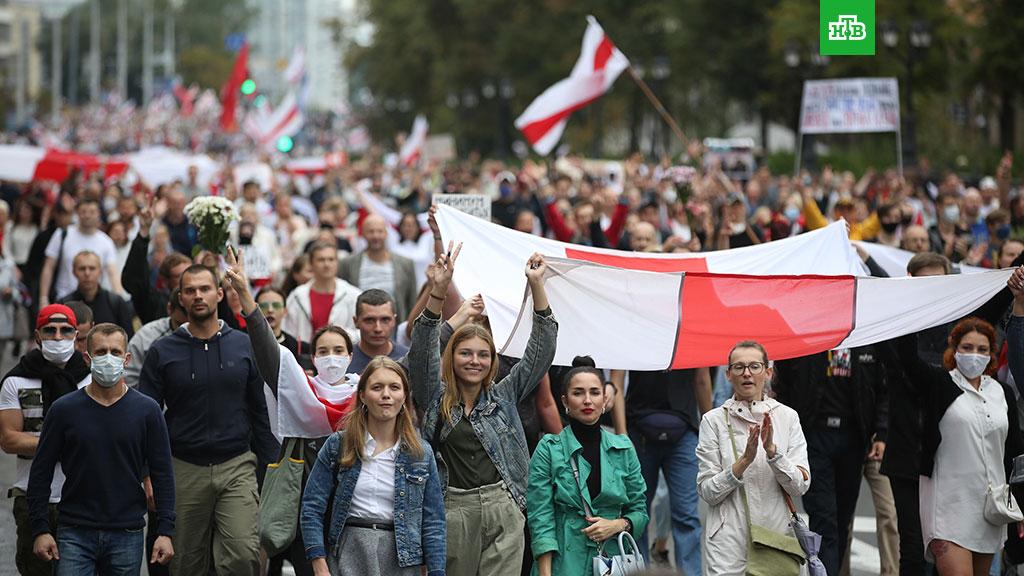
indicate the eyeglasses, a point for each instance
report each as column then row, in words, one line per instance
column 267, row 306
column 51, row 331
column 754, row 367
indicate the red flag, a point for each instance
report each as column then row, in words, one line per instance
column 229, row 93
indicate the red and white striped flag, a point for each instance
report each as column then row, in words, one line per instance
column 599, row 64
column 21, row 163
column 637, row 311
column 413, row 145
column 296, row 69
column 286, row 120
column 306, row 407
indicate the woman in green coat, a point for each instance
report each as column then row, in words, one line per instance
column 564, row 538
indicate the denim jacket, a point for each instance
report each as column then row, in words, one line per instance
column 420, row 528
column 494, row 418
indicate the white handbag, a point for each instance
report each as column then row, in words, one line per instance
column 1001, row 507
column 621, row 564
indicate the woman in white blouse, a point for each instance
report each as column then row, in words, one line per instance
column 969, row 438
column 772, row 458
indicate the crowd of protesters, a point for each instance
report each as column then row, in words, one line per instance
column 145, row 369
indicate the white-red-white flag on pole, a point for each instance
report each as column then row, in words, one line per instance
column 296, row 66
column 599, row 64
column 286, row 120
column 410, row 153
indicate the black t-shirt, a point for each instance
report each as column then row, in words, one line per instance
column 743, row 238
column 662, row 391
column 836, row 399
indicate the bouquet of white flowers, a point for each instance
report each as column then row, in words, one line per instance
column 211, row 215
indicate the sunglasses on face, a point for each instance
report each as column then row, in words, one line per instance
column 51, row 331
column 267, row 306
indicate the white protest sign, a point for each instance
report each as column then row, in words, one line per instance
column 850, row 105
column 438, row 148
column 478, row 205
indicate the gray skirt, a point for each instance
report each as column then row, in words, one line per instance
column 368, row 552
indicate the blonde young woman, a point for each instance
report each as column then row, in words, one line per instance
column 387, row 516
column 474, row 427
column 772, row 457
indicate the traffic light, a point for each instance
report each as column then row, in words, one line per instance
column 249, row 87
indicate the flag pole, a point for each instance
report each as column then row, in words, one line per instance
column 657, row 105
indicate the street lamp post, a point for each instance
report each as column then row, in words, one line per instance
column 817, row 63
column 919, row 39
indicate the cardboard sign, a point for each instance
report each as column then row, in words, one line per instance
column 477, row 205
column 850, row 105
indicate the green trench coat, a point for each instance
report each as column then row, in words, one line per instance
column 555, row 511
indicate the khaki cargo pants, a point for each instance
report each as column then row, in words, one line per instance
column 216, row 508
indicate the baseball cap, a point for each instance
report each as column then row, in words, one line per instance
column 55, row 310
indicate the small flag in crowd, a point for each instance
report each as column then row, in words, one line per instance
column 413, row 145
column 229, row 93
column 599, row 64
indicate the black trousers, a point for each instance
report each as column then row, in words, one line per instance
column 836, row 456
column 905, row 494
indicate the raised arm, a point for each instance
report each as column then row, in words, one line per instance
column 135, row 274
column 265, row 348
column 424, row 354
column 540, row 349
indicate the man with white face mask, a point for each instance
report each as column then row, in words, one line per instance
column 28, row 392
column 106, row 436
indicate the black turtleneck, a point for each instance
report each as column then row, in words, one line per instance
column 589, row 436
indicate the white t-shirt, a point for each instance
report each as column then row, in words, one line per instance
column 76, row 242
column 25, row 394
column 374, row 275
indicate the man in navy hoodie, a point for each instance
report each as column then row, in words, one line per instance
column 204, row 373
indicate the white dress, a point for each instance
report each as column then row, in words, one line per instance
column 724, row 544
column 968, row 459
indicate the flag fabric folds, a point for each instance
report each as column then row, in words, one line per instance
column 413, row 145
column 599, row 64
column 637, row 311
column 229, row 92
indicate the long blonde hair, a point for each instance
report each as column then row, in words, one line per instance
column 452, row 389
column 353, row 443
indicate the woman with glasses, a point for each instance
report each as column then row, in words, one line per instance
column 271, row 302
column 751, row 456
column 332, row 352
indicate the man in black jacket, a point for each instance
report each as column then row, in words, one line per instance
column 205, row 374
column 104, row 304
column 843, row 405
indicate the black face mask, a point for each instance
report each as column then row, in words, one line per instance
column 890, row 227
column 906, row 220
column 245, row 240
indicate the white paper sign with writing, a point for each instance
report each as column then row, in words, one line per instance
column 850, row 105
column 478, row 205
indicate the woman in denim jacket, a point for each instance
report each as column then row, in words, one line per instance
column 381, row 479
column 474, row 427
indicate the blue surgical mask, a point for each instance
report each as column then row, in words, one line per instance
column 791, row 213
column 1003, row 232
column 107, row 370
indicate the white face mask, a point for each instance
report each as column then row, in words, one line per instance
column 58, row 351
column 737, row 227
column 972, row 365
column 331, row 369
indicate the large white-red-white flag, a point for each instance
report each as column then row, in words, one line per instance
column 796, row 296
column 23, row 163
column 413, row 145
column 599, row 64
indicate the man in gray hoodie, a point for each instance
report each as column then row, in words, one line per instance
column 150, row 333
